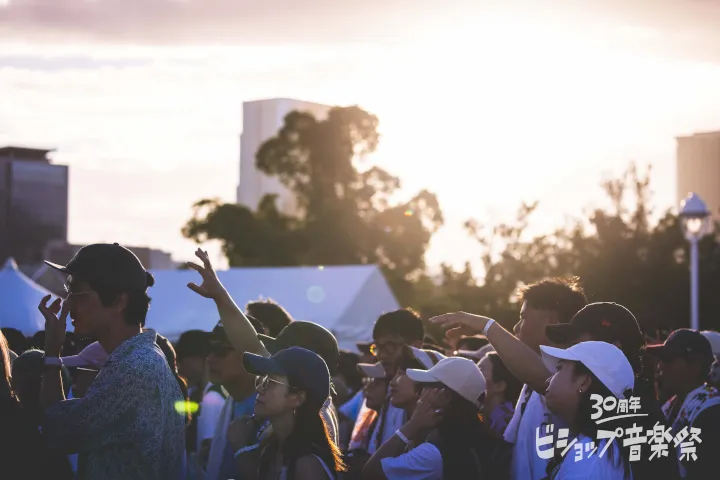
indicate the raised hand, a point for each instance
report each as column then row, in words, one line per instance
column 54, row 326
column 459, row 323
column 210, row 286
column 430, row 408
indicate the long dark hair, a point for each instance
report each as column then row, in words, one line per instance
column 501, row 373
column 465, row 444
column 585, row 425
column 309, row 436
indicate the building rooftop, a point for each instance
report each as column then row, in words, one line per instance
column 24, row 153
column 700, row 135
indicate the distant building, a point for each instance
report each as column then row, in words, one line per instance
column 33, row 203
column 262, row 119
column 698, row 168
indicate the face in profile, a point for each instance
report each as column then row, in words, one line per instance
column 563, row 392
column 224, row 364
column 531, row 327
column 275, row 396
column 402, row 390
column 87, row 313
column 376, row 391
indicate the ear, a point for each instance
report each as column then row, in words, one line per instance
column 121, row 302
column 585, row 383
column 297, row 399
column 501, row 385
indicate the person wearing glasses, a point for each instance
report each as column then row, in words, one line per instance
column 392, row 334
column 231, row 395
column 292, row 387
column 126, row 426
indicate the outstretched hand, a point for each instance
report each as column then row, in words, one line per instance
column 459, row 323
column 210, row 286
column 54, row 325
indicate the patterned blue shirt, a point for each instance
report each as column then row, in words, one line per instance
column 126, row 426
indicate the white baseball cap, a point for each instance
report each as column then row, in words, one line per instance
column 372, row 370
column 460, row 375
column 93, row 356
column 427, row 358
column 604, row 360
column 714, row 339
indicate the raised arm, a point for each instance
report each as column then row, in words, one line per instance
column 520, row 359
column 237, row 326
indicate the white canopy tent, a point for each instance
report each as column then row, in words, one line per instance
column 344, row 299
column 19, row 299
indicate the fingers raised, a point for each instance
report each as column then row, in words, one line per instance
column 203, row 255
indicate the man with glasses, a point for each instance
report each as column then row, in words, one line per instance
column 126, row 425
column 225, row 370
column 392, row 331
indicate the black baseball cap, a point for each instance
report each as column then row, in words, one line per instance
column 107, row 265
column 605, row 321
column 219, row 334
column 304, row 369
column 682, row 343
column 307, row 335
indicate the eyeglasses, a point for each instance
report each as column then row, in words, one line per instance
column 387, row 348
column 262, row 383
column 220, row 350
column 70, row 294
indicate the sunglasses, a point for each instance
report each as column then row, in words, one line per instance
column 220, row 350
column 387, row 348
column 262, row 383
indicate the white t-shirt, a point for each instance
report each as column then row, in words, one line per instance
column 609, row 467
column 394, row 420
column 211, row 407
column 423, row 462
column 521, row 432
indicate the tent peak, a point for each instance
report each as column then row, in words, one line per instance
column 10, row 264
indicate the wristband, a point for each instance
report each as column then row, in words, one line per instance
column 402, row 437
column 487, row 326
column 246, row 449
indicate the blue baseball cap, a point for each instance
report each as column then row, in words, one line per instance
column 305, row 370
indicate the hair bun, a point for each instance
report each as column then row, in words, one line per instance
column 150, row 279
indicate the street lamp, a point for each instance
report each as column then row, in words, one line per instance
column 696, row 222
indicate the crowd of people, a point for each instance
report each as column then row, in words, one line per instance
column 575, row 391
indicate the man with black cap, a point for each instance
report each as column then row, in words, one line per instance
column 245, row 337
column 126, row 425
column 685, row 360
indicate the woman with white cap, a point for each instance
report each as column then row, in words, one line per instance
column 445, row 439
column 584, row 370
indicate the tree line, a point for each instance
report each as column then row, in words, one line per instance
column 348, row 214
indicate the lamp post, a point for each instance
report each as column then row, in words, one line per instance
column 696, row 222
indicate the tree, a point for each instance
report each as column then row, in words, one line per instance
column 619, row 253
column 346, row 214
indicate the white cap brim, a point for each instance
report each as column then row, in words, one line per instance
column 551, row 357
column 420, row 376
column 372, row 370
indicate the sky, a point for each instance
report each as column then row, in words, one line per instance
column 485, row 103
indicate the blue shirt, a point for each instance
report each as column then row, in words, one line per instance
column 240, row 408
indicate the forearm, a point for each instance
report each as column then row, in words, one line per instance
column 52, row 387
column 393, row 447
column 239, row 330
column 520, row 359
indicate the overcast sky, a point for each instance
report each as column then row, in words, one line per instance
column 145, row 96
